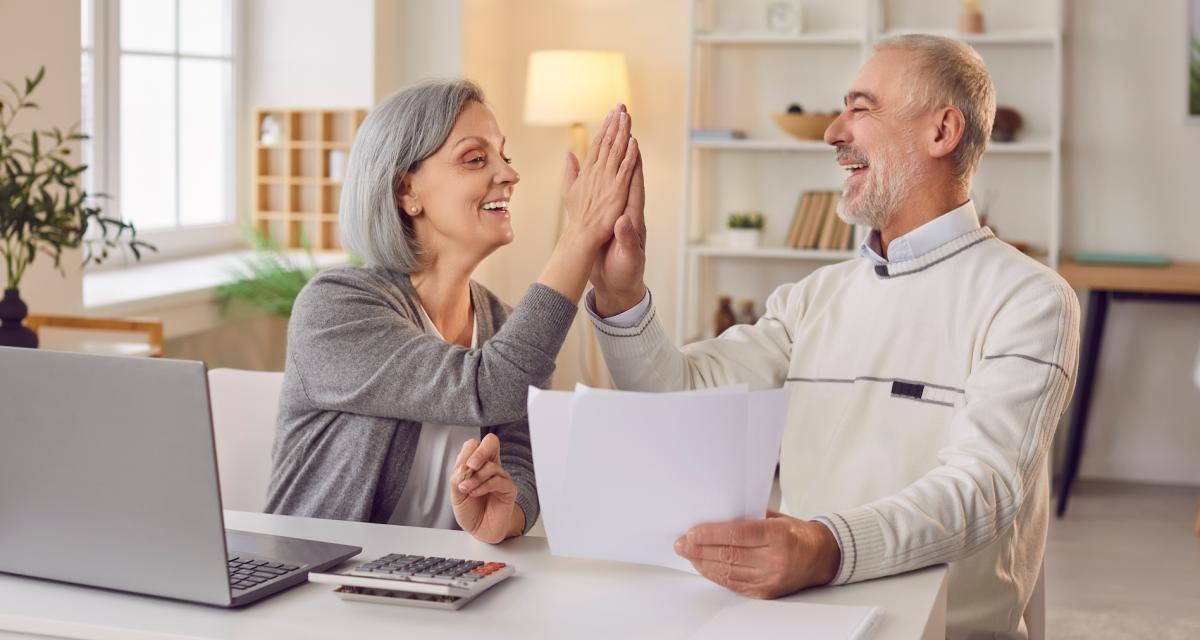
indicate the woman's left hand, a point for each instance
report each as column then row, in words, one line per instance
column 485, row 503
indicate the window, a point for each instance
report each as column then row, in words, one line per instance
column 158, row 90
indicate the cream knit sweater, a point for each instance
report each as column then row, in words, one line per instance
column 925, row 397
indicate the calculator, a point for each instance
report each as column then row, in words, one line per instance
column 417, row 581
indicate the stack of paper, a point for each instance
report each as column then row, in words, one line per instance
column 621, row 475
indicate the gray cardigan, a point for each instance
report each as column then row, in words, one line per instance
column 362, row 375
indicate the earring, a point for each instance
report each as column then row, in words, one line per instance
column 414, row 209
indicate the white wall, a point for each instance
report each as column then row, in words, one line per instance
column 309, row 53
column 415, row 40
column 34, row 34
column 1132, row 183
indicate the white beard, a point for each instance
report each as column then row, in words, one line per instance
column 875, row 202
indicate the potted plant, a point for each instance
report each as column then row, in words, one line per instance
column 269, row 278
column 745, row 230
column 43, row 209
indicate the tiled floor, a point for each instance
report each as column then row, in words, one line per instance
column 1124, row 563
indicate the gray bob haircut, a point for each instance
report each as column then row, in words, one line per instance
column 406, row 128
column 949, row 72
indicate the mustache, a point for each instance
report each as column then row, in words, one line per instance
column 848, row 154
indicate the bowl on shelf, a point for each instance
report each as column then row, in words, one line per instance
column 804, row 126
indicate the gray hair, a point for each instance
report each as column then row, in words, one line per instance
column 950, row 73
column 400, row 132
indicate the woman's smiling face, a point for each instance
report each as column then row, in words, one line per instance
column 458, row 197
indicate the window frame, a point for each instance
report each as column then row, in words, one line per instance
column 103, row 156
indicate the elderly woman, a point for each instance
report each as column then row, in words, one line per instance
column 404, row 396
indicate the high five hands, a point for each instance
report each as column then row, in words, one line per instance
column 604, row 239
column 617, row 274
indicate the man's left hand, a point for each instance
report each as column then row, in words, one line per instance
column 763, row 558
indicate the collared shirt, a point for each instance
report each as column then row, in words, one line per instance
column 924, row 238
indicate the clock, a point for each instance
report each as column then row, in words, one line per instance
column 783, row 17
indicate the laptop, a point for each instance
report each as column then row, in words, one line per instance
column 108, row 478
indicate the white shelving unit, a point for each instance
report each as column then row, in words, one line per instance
column 739, row 73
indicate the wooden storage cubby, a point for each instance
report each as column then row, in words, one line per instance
column 296, row 200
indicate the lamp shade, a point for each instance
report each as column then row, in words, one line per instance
column 570, row 86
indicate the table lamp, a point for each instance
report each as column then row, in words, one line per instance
column 573, row 88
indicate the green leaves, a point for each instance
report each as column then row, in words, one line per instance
column 42, row 207
column 746, row 220
column 269, row 279
column 1194, row 88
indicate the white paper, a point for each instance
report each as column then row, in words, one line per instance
column 764, row 619
column 768, row 417
column 549, row 425
column 621, row 475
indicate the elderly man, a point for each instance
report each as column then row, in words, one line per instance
column 928, row 376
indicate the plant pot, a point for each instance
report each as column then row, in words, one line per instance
column 743, row 238
column 12, row 312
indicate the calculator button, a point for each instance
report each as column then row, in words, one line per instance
column 431, row 579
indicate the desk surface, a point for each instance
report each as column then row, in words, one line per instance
column 1178, row 277
column 549, row 597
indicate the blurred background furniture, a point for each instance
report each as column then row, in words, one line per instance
column 244, row 405
column 300, row 161
column 742, row 69
column 1178, row 282
column 107, row 336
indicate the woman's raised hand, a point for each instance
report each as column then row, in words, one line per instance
column 596, row 193
column 597, row 188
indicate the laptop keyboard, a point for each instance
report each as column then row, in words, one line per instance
column 247, row 573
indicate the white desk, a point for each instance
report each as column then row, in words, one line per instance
column 549, row 597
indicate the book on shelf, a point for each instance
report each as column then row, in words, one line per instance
column 816, row 225
column 816, row 216
column 831, row 227
column 718, row 134
column 793, row 234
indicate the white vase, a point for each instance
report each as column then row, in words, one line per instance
column 743, row 238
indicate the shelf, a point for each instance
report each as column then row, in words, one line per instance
column 304, row 144
column 1014, row 37
column 755, row 38
column 317, row 144
column 295, row 197
column 1034, row 146
column 297, row 180
column 737, row 70
column 761, row 144
column 307, row 216
column 716, row 251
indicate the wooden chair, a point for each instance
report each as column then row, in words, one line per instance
column 153, row 328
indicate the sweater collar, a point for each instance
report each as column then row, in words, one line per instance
column 945, row 252
column 924, row 239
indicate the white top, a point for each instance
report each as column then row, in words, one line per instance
column 550, row 597
column 425, row 501
column 925, row 396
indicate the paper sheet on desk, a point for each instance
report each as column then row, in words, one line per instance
column 621, row 475
column 764, row 619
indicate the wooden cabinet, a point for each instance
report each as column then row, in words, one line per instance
column 300, row 160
